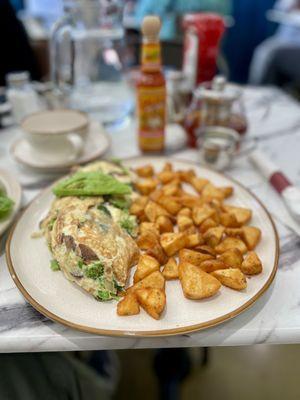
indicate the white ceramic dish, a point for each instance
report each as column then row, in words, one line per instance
column 60, row 300
column 14, row 191
column 97, row 143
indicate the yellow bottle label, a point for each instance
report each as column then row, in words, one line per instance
column 151, row 109
column 151, row 59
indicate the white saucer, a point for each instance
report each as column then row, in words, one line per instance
column 97, row 143
column 14, row 191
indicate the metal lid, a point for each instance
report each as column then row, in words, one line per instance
column 17, row 78
column 218, row 90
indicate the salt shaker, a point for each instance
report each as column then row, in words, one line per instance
column 20, row 94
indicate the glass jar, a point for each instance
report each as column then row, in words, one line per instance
column 86, row 59
column 215, row 103
column 178, row 97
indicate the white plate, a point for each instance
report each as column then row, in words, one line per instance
column 14, row 191
column 97, row 143
column 60, row 300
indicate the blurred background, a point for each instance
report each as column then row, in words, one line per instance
column 258, row 33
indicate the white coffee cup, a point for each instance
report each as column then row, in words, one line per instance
column 57, row 133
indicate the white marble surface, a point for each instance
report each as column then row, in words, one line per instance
column 274, row 318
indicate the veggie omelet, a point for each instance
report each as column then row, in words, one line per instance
column 91, row 237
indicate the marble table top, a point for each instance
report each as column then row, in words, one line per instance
column 274, row 318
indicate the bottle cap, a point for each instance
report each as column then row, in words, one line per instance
column 151, row 26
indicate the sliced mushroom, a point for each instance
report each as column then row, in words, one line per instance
column 87, row 253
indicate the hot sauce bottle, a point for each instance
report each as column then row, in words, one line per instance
column 151, row 90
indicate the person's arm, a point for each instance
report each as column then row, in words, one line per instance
column 286, row 5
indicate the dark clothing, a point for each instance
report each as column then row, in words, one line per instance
column 15, row 51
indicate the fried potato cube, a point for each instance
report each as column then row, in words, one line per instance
column 187, row 176
column 197, row 284
column 193, row 240
column 148, row 226
column 154, row 280
column 211, row 192
column 172, row 242
column 206, row 250
column 243, row 215
column 146, row 186
column 192, row 230
column 157, row 252
column 212, row 265
column 128, row 305
column 190, row 201
column 232, row 257
column 170, row 203
column 234, row 232
column 154, row 210
column 193, row 257
column 167, row 167
column 231, row 243
column 145, row 171
column 231, row 277
column 155, row 195
column 170, row 270
column 227, row 191
column 164, row 224
column 251, row 236
column 172, row 188
column 208, row 223
column 228, row 220
column 252, row 264
column 166, row 176
column 184, row 222
column 213, row 236
column 216, row 204
column 138, row 206
column 198, row 183
column 200, row 214
column 146, row 266
column 185, row 211
column 152, row 300
column 147, row 240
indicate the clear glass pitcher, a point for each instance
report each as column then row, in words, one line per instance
column 86, row 59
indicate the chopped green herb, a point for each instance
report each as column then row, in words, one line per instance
column 92, row 183
column 54, row 265
column 51, row 223
column 103, row 208
column 80, row 264
column 105, row 295
column 6, row 205
column 128, row 223
column 94, row 271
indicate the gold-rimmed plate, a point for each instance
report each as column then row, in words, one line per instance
column 55, row 297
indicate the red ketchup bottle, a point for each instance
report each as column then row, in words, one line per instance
column 202, row 35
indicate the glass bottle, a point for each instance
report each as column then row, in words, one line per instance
column 151, row 90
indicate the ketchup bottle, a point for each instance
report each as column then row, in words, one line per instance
column 151, row 90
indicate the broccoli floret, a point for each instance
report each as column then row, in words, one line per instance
column 94, row 271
